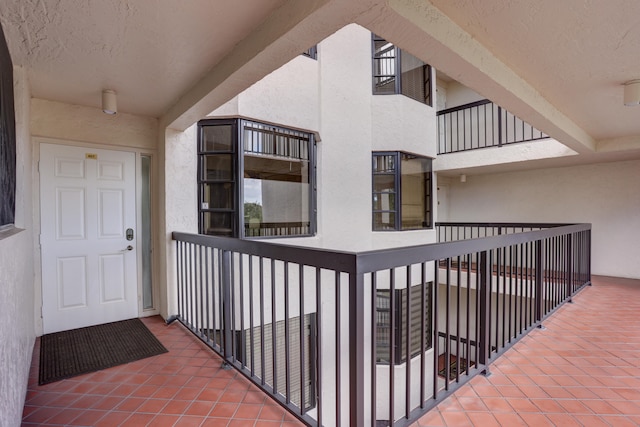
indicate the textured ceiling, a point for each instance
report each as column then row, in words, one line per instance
column 568, row 59
column 149, row 51
column 577, row 53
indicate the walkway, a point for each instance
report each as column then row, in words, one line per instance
column 582, row 370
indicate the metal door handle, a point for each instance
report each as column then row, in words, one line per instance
column 128, row 248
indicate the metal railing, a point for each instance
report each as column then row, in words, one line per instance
column 303, row 324
column 481, row 124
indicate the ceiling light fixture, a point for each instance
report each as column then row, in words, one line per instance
column 109, row 101
column 632, row 93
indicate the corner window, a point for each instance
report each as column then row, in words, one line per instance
column 312, row 52
column 7, row 139
column 391, row 315
column 398, row 72
column 255, row 179
column 402, row 191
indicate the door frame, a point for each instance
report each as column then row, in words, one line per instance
column 37, row 221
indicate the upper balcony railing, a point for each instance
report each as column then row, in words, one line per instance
column 375, row 338
column 481, row 124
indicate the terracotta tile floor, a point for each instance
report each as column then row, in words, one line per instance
column 582, row 370
column 185, row 387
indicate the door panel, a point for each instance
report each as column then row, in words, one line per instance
column 87, row 201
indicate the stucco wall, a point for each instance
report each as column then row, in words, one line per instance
column 77, row 123
column 17, row 332
column 605, row 195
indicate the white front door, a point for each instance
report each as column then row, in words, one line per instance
column 88, row 236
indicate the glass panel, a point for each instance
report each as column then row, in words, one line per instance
column 384, row 201
column 217, row 138
column 218, row 223
column 384, row 163
column 384, row 183
column 414, row 171
column 218, row 195
column 384, row 221
column 276, row 196
column 218, row 167
column 413, row 78
column 145, row 233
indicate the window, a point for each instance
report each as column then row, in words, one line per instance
column 7, row 139
column 420, row 303
column 398, row 72
column 402, row 191
column 269, row 169
column 312, row 52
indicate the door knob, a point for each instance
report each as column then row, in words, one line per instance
column 128, row 248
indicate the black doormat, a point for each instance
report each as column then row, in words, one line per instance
column 70, row 353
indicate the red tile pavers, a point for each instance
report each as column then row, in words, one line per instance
column 185, row 387
column 582, row 370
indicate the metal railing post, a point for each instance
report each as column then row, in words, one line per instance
column 539, row 300
column 569, row 268
column 499, row 126
column 484, row 341
column 226, row 305
column 357, row 372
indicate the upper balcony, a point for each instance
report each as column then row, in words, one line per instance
column 481, row 124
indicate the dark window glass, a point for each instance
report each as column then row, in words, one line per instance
column 398, row 72
column 218, row 167
column 7, row 138
column 217, row 138
column 401, row 198
column 417, row 303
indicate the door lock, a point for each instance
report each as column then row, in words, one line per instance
column 129, row 234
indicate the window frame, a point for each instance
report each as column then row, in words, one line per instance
column 427, row 73
column 238, row 154
column 397, row 173
column 8, row 144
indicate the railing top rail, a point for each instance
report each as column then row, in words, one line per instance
column 380, row 259
column 500, row 224
column 322, row 258
column 463, row 107
column 389, row 258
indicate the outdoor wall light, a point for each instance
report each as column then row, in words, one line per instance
column 632, row 93
column 463, row 178
column 109, row 101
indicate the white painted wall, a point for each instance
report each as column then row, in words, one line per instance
column 605, row 195
column 458, row 94
column 17, row 332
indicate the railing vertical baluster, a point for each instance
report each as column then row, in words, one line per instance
column 274, row 332
column 263, row 367
column 226, row 305
column 392, row 345
column 423, row 319
column 436, row 325
column 458, row 290
column 569, row 264
column 338, row 336
column 539, row 298
column 303, row 400
column 408, row 345
column 447, row 327
column 374, row 342
column 468, row 326
column 500, row 140
column 318, row 358
column 287, row 350
column 484, row 339
column 357, row 353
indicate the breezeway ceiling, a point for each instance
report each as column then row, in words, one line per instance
column 558, row 64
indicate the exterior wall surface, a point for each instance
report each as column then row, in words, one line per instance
column 605, row 195
column 17, row 333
